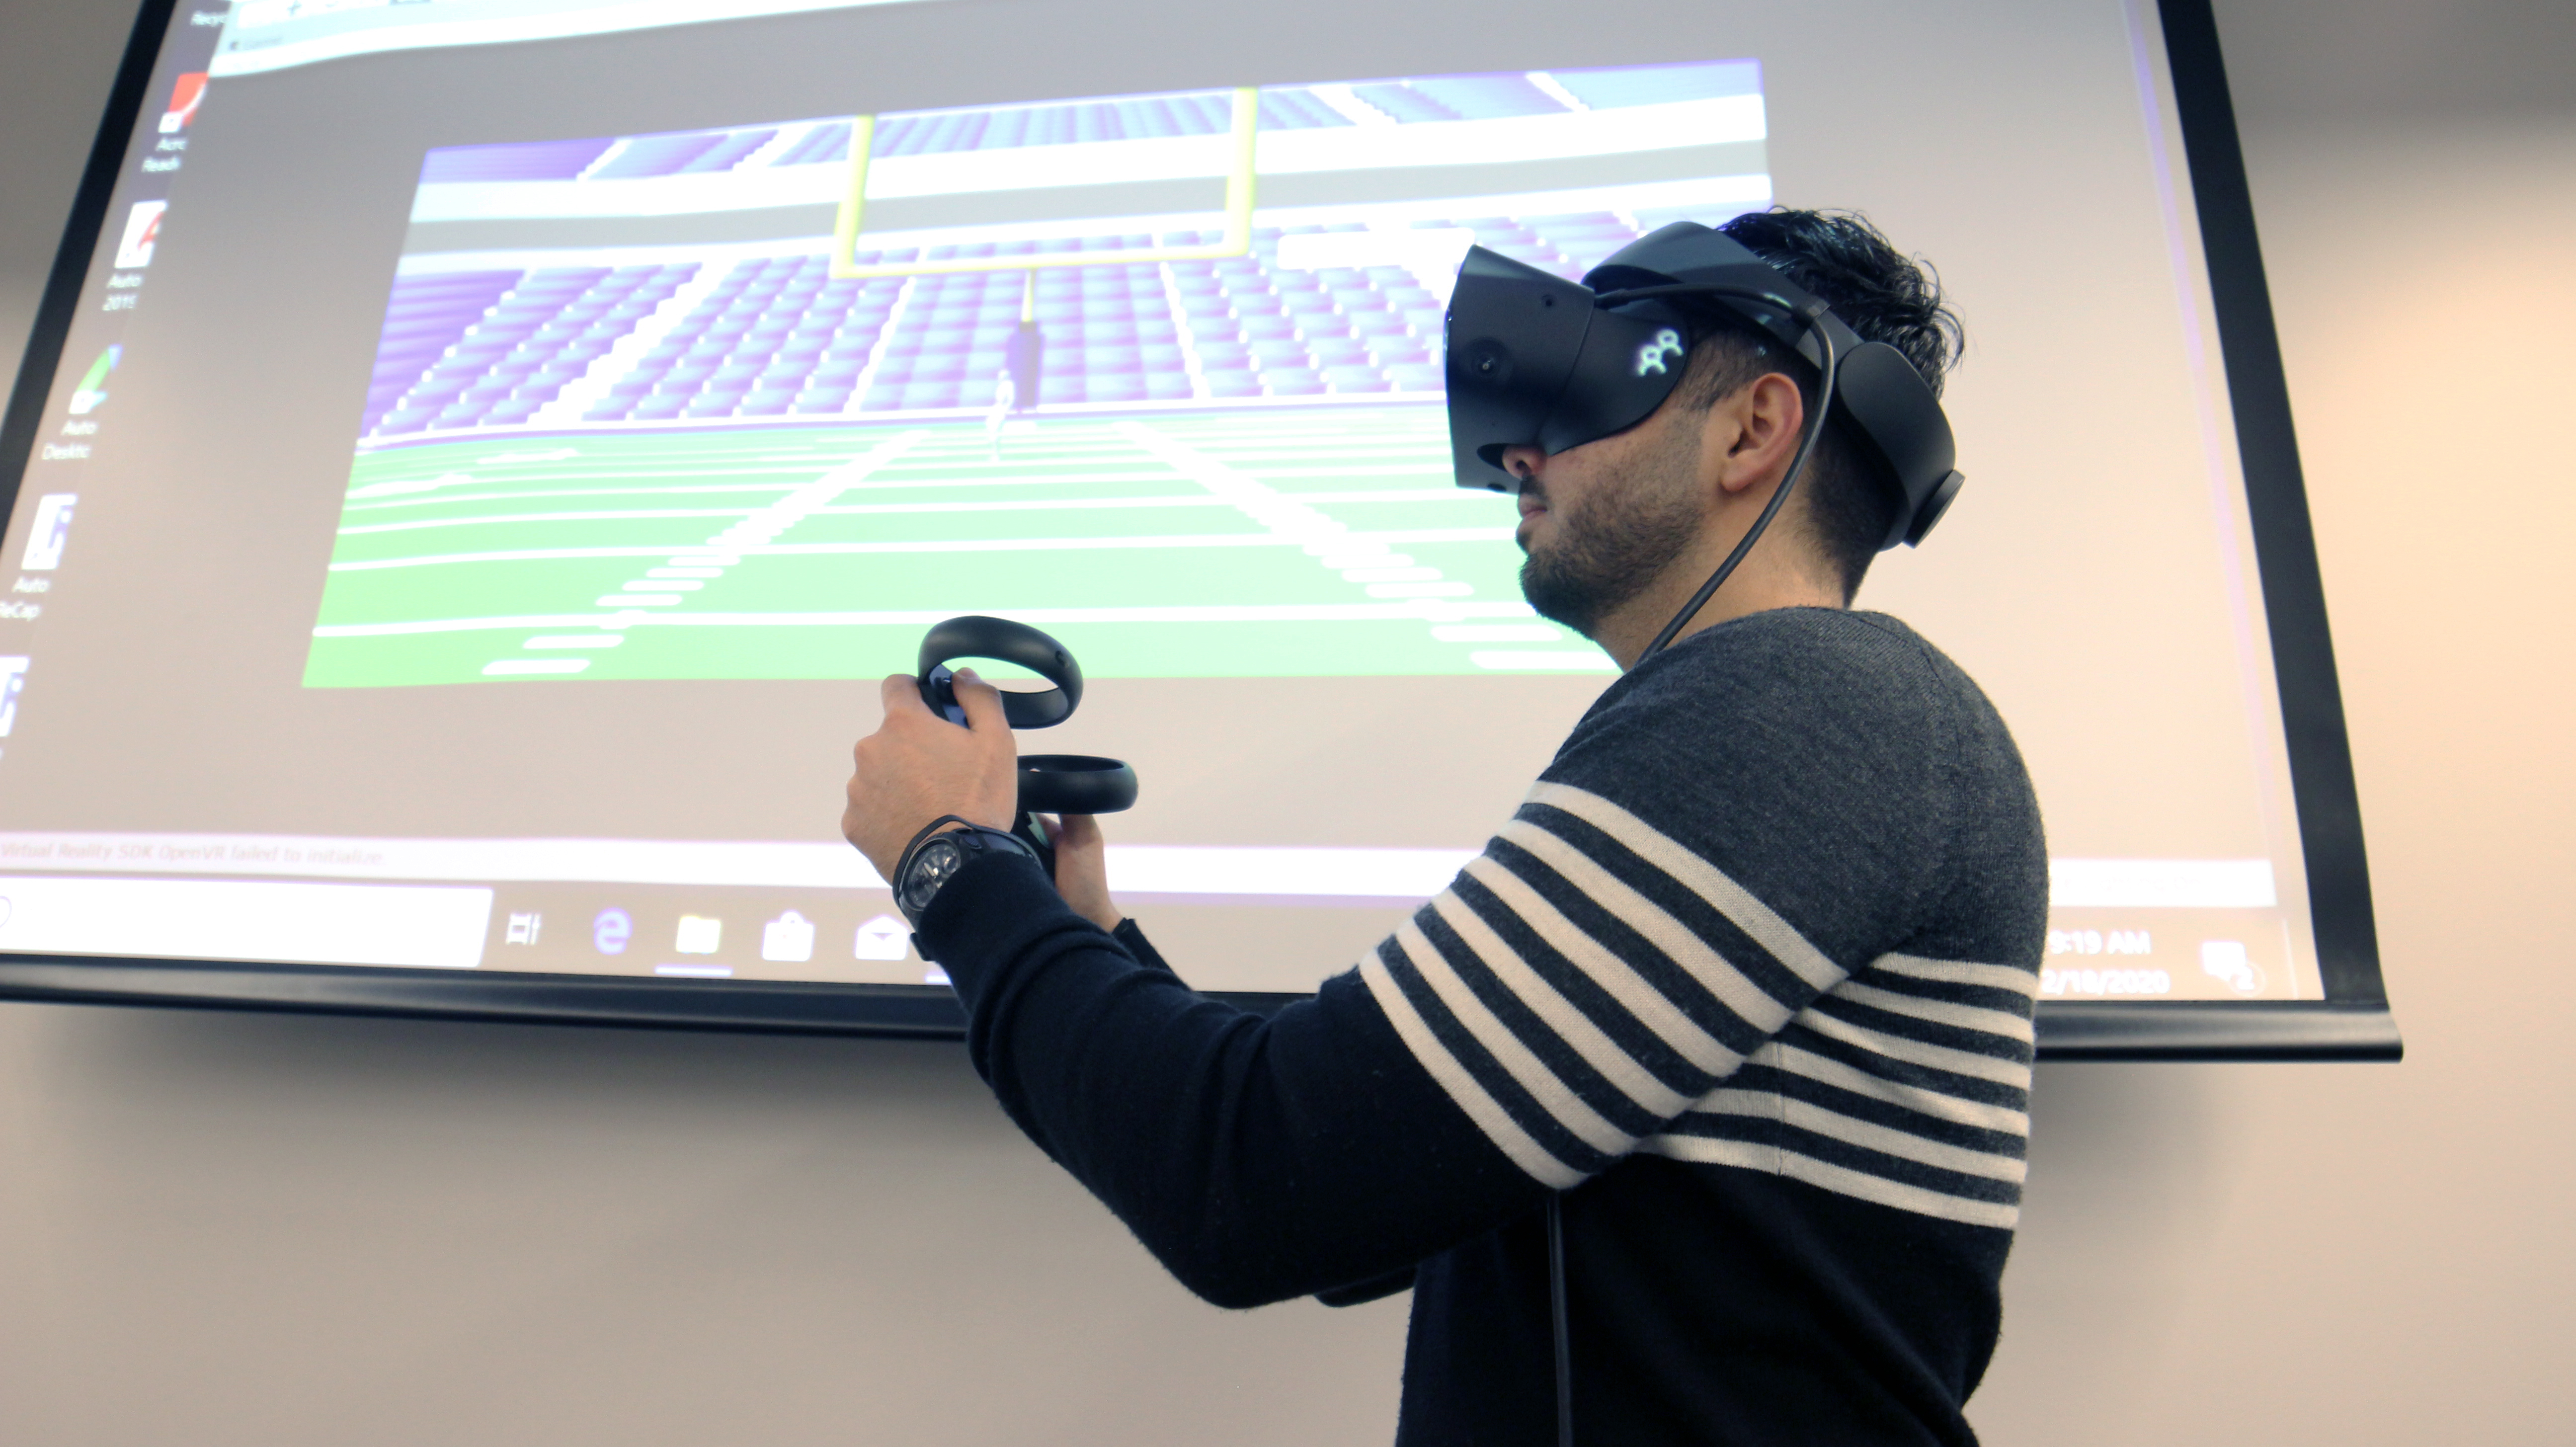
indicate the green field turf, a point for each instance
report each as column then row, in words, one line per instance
column 1312, row 542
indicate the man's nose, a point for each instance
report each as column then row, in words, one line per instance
column 1523, row 462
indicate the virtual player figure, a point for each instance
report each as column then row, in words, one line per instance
column 1736, row 1008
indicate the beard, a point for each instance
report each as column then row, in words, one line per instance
column 1617, row 543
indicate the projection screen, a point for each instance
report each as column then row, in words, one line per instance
column 478, row 456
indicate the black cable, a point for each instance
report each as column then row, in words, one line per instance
column 1556, row 1310
column 1812, row 317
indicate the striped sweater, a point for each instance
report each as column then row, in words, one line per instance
column 1748, row 978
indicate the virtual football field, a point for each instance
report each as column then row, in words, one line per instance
column 1282, row 542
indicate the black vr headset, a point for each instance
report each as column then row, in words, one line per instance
column 1537, row 360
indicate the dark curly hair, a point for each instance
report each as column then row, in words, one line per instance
column 1847, row 503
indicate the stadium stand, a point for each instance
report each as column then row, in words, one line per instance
column 529, row 161
column 777, row 337
column 488, row 348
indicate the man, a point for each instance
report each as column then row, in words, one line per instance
column 1747, row 979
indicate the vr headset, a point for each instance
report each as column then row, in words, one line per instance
column 1536, row 360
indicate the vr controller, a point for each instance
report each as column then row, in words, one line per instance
column 1049, row 783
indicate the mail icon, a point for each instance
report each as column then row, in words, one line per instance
column 882, row 938
column 790, row 937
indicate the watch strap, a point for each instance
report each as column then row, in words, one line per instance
column 973, row 840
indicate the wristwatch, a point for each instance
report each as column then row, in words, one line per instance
column 934, row 858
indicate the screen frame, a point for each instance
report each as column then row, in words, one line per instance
column 2353, row 1022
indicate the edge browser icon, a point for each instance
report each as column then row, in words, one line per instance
column 610, row 932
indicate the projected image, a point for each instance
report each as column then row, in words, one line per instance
column 763, row 402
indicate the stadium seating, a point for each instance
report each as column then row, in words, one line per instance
column 488, row 348
column 777, row 337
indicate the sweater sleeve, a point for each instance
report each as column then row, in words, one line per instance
column 1257, row 1157
column 1725, row 838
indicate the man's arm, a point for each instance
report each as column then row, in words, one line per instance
column 1258, row 1158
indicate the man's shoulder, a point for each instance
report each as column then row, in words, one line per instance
column 1813, row 665
column 1809, row 729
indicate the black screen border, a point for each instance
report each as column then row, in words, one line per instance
column 2353, row 1022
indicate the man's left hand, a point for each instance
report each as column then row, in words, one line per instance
column 918, row 766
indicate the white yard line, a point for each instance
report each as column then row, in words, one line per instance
column 1358, row 558
column 692, row 569
column 1368, row 539
column 864, row 509
column 1422, row 610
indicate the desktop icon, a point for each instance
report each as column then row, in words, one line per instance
column 142, row 233
column 2227, row 962
column 790, row 937
column 699, row 935
column 53, row 524
column 882, row 938
column 13, row 677
column 93, row 383
column 185, row 97
column 611, row 930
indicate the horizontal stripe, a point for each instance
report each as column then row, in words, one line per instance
column 1930, row 1080
column 1524, row 1109
column 1758, row 920
column 1922, row 1032
column 1673, row 1071
column 1576, row 1029
column 2010, row 1002
column 1959, row 972
column 1507, row 1049
column 1769, row 1079
column 1352, row 538
column 1809, row 1117
column 1750, row 1002
column 1761, row 1130
column 1461, row 1087
column 1982, row 1114
column 1842, row 1180
column 1939, row 1057
column 2016, row 1028
column 1616, row 976
column 617, row 515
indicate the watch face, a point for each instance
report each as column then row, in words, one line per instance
column 930, row 869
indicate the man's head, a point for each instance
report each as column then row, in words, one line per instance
column 1606, row 522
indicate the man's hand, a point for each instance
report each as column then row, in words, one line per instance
column 1082, row 868
column 918, row 766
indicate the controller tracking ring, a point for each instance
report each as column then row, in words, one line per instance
column 977, row 636
column 1049, row 783
column 1075, row 784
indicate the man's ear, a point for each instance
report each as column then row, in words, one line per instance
column 1755, row 430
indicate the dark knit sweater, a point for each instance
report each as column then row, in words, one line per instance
column 1748, row 977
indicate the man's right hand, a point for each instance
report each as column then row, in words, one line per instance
column 1082, row 868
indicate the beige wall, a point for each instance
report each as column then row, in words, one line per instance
column 233, row 1229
